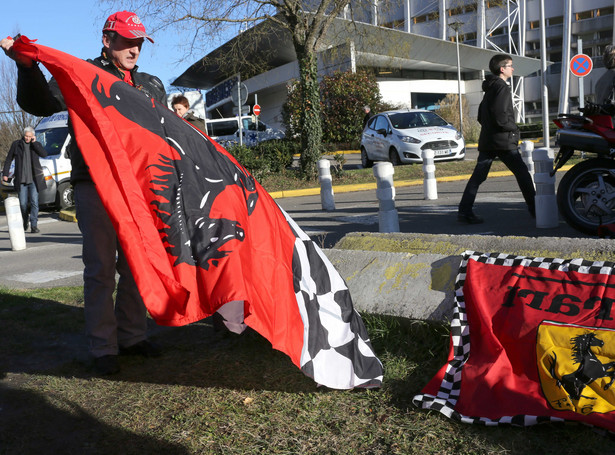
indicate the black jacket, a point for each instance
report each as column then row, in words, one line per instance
column 39, row 97
column 497, row 118
column 16, row 153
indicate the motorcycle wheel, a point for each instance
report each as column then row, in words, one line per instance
column 586, row 195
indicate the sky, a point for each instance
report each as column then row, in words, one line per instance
column 75, row 27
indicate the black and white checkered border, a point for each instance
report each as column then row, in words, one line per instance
column 448, row 394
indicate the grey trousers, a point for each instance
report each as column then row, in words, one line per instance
column 108, row 324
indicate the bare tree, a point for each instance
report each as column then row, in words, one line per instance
column 211, row 21
column 12, row 118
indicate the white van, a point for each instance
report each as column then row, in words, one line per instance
column 52, row 134
column 225, row 131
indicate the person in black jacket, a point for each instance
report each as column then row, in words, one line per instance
column 120, row 327
column 499, row 138
column 28, row 177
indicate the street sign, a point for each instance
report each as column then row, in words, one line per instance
column 581, row 65
column 239, row 96
column 256, row 109
column 244, row 110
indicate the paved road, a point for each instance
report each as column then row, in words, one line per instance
column 53, row 257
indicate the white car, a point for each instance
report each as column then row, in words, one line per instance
column 401, row 136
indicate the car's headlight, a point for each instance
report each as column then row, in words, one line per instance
column 409, row 139
column 458, row 135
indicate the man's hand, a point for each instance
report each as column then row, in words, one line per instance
column 5, row 178
column 7, row 44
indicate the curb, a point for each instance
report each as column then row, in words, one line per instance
column 413, row 275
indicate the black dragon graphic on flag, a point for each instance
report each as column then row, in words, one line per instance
column 186, row 188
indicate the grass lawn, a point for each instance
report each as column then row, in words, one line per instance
column 226, row 394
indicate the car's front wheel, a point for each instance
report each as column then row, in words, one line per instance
column 365, row 161
column 394, row 157
column 65, row 196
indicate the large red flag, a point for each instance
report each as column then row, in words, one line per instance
column 199, row 231
column 532, row 340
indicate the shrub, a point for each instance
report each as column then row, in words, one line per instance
column 449, row 110
column 343, row 96
column 266, row 157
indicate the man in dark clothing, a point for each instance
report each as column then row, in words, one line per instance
column 111, row 328
column 605, row 87
column 28, row 178
column 499, row 138
column 368, row 114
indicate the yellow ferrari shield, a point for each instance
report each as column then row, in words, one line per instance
column 576, row 365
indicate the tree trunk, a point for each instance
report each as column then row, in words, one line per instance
column 311, row 123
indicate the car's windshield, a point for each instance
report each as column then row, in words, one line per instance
column 404, row 120
column 52, row 139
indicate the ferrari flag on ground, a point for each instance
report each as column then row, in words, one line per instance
column 532, row 340
column 200, row 232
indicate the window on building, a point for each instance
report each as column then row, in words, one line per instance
column 604, row 11
column 555, row 20
column 534, row 24
column 419, row 19
column 468, row 37
column 532, row 45
column 498, row 31
column 555, row 42
column 584, row 15
column 433, row 16
column 455, row 11
column 555, row 56
column 471, row 8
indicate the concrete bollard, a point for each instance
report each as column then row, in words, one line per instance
column 546, row 204
column 14, row 220
column 527, row 148
column 430, row 187
column 388, row 219
column 326, row 185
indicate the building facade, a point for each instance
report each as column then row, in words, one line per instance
column 410, row 46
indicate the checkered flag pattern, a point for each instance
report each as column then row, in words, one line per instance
column 336, row 348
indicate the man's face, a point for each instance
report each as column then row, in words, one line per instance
column 507, row 69
column 180, row 109
column 29, row 137
column 123, row 51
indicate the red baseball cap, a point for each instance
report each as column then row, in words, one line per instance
column 126, row 24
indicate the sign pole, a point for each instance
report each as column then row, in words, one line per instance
column 240, row 106
column 580, row 79
column 256, row 104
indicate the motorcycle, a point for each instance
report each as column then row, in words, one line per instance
column 586, row 193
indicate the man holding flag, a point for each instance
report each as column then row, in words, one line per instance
column 111, row 328
column 197, row 230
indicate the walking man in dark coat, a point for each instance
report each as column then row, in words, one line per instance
column 28, row 178
column 499, row 138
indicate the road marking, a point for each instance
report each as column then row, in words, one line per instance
column 43, row 276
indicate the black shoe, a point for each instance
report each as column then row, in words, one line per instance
column 26, row 225
column 469, row 218
column 143, row 348
column 106, row 365
column 35, row 230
